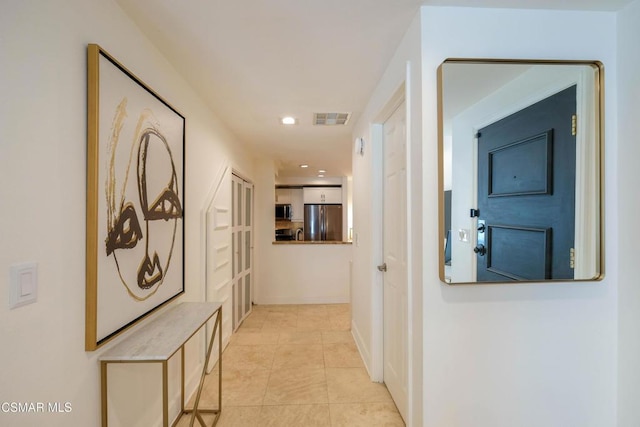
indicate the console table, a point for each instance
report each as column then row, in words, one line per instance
column 157, row 342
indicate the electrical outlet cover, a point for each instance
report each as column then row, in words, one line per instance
column 23, row 284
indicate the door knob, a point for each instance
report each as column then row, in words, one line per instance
column 480, row 250
column 382, row 267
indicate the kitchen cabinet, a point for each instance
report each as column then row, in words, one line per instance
column 283, row 195
column 320, row 195
column 293, row 197
column 297, row 205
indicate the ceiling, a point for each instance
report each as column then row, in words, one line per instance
column 254, row 62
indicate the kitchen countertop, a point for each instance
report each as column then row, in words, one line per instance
column 309, row 242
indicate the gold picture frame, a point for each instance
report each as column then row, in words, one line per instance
column 135, row 199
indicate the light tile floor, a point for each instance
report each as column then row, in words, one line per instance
column 297, row 365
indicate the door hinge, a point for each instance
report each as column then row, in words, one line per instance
column 574, row 125
column 572, row 258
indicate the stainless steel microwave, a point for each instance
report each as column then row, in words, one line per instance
column 284, row 212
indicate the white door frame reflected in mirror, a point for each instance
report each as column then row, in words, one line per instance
column 474, row 93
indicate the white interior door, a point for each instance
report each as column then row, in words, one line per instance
column 395, row 324
column 242, row 247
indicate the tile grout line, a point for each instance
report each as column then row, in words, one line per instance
column 266, row 388
column 327, row 338
column 325, row 373
column 264, row 395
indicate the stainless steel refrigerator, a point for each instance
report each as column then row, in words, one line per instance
column 323, row 222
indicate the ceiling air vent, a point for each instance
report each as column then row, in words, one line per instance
column 330, row 119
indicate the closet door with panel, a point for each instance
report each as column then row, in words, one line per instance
column 242, row 244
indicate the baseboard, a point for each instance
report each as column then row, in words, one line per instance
column 365, row 354
column 192, row 382
column 305, row 300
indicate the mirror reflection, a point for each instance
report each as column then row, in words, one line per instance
column 520, row 148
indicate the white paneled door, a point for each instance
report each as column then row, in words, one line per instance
column 242, row 248
column 395, row 324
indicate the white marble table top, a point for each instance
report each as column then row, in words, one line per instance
column 159, row 339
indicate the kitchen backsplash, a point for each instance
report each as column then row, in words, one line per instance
column 291, row 225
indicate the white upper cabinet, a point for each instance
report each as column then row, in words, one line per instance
column 293, row 197
column 283, row 196
column 319, row 195
column 297, row 205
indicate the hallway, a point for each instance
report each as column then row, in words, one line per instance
column 297, row 365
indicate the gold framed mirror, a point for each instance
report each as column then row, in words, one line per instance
column 520, row 170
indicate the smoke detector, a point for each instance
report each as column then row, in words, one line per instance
column 330, row 119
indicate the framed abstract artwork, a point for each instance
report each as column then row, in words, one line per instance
column 135, row 200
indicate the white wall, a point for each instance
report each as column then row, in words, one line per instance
column 628, row 180
column 43, row 168
column 366, row 299
column 523, row 354
column 305, row 274
column 298, row 273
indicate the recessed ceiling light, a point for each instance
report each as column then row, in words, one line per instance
column 289, row 120
column 304, row 166
column 320, row 175
column 321, row 171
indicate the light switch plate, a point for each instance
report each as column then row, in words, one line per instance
column 463, row 235
column 23, row 284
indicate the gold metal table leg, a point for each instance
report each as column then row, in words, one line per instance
column 103, row 374
column 165, row 393
column 197, row 413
